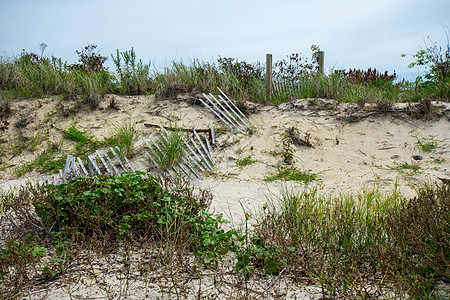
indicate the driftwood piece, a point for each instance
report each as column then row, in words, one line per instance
column 297, row 140
column 190, row 130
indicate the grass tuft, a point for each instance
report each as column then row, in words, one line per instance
column 365, row 245
column 169, row 148
column 291, row 173
column 124, row 137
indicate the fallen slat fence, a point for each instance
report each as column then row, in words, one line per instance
column 227, row 112
column 75, row 168
column 196, row 156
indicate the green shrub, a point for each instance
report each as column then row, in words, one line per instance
column 133, row 206
column 436, row 59
column 133, row 77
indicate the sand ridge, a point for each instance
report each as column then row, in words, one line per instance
column 346, row 155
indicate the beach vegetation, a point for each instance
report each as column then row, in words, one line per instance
column 136, row 228
column 124, row 137
column 246, row 161
column 367, row 244
column 425, row 144
column 31, row 75
column 169, row 148
column 407, row 168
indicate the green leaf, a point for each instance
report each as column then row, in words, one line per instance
column 270, row 266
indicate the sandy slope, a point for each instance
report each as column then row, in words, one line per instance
column 347, row 156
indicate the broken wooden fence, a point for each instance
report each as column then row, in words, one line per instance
column 109, row 163
column 197, row 153
column 227, row 112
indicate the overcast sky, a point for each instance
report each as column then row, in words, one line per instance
column 353, row 33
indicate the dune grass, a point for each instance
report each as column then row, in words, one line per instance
column 32, row 76
column 124, row 137
column 368, row 245
column 169, row 147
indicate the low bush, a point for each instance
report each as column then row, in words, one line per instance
column 100, row 214
column 132, row 206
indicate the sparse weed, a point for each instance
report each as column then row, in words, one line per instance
column 46, row 162
column 53, row 158
column 424, row 144
column 246, row 161
column 407, row 168
column 226, row 143
column 291, row 174
column 287, row 151
column 438, row 160
column 288, row 172
column 240, row 150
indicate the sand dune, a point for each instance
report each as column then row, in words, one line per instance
column 351, row 148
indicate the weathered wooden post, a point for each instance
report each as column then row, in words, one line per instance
column 269, row 75
column 321, row 60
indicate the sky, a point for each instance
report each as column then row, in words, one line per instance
column 352, row 33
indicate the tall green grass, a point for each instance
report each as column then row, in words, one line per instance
column 132, row 76
column 335, row 86
column 30, row 76
column 368, row 245
column 168, row 148
column 124, row 137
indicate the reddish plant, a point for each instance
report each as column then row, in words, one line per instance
column 89, row 60
column 29, row 57
column 371, row 76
